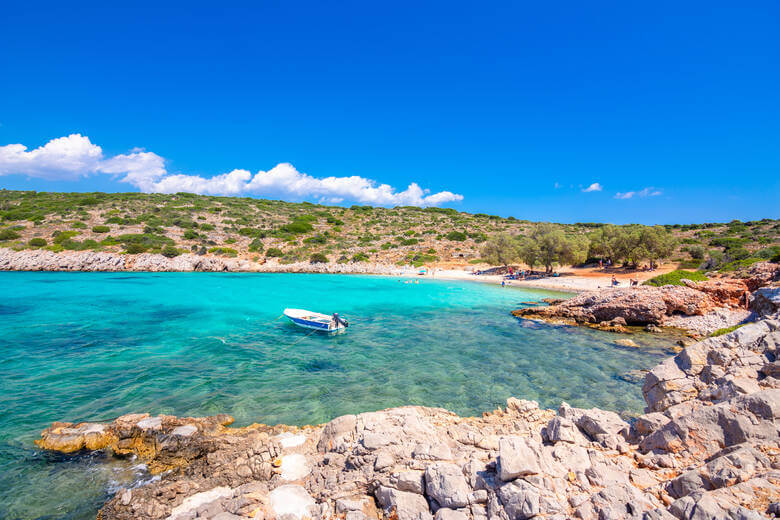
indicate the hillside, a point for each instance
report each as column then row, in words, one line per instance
column 258, row 229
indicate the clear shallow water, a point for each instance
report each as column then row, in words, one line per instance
column 92, row 346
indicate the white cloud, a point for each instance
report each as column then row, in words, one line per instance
column 649, row 192
column 74, row 157
column 593, row 187
column 644, row 192
column 64, row 158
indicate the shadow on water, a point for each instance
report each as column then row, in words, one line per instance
column 8, row 310
column 320, row 365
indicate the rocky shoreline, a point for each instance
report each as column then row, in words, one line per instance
column 707, row 447
column 697, row 307
column 42, row 260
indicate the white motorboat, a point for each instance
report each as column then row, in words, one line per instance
column 317, row 320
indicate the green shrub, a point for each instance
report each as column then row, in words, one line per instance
column 274, row 252
column 37, row 242
column 318, row 258
column 170, row 251
column 78, row 225
column 134, row 248
column 256, row 246
column 359, row 257
column 674, row 277
column 456, row 236
column 697, row 252
column 148, row 240
column 736, row 253
column 207, row 227
column 8, row 234
column 419, row 259
column 728, row 242
column 316, row 239
column 767, row 252
column 726, row 330
column 251, row 232
column 101, row 229
column 60, row 237
column 297, row 227
column 409, row 242
column 190, row 235
column 224, row 251
column 688, row 264
column 738, row 264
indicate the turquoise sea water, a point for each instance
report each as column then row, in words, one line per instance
column 92, row 346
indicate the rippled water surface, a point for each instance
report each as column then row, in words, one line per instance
column 92, row 346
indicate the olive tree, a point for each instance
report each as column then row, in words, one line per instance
column 554, row 246
column 500, row 250
column 656, row 243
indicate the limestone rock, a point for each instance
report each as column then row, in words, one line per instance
column 405, row 505
column 636, row 305
column 518, row 456
column 446, row 484
column 520, row 500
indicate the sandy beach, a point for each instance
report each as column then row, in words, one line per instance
column 570, row 280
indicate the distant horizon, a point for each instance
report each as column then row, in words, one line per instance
column 565, row 113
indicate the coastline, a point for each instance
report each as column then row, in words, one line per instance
column 88, row 261
column 704, row 443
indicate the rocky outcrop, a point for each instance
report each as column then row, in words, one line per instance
column 766, row 301
column 760, row 274
column 635, row 305
column 701, row 326
column 700, row 308
column 707, row 448
column 43, row 260
column 724, row 292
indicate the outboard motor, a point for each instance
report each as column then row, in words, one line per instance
column 338, row 320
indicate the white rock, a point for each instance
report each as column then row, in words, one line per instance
column 291, row 500
column 198, row 499
column 150, row 423
column 186, row 430
column 290, row 440
column 294, row 467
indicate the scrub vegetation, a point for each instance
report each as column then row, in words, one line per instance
column 172, row 224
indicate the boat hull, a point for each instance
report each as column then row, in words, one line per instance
column 319, row 322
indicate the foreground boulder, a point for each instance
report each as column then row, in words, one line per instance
column 707, row 448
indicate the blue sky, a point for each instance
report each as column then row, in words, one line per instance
column 672, row 109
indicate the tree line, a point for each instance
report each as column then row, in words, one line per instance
column 549, row 245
